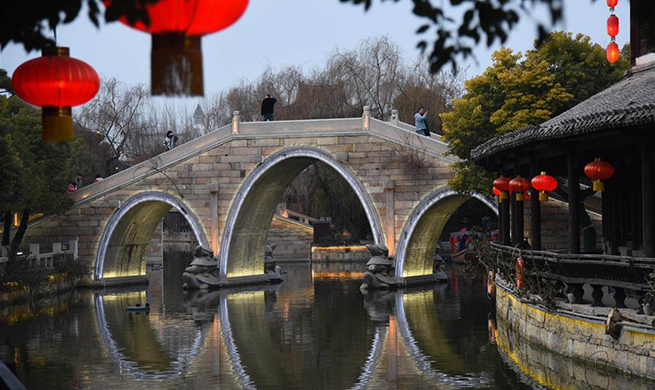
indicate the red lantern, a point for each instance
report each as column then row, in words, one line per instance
column 612, row 26
column 176, row 27
column 502, row 185
column 56, row 82
column 519, row 185
column 599, row 170
column 496, row 191
column 612, row 52
column 612, row 3
column 544, row 184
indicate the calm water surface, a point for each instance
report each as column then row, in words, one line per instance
column 314, row 331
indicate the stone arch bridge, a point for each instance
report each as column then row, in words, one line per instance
column 227, row 185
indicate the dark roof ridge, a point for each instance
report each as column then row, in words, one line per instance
column 629, row 102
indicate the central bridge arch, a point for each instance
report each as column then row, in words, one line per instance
column 249, row 218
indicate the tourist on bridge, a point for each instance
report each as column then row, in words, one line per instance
column 420, row 121
column 98, row 178
column 78, row 181
column 170, row 141
column 268, row 107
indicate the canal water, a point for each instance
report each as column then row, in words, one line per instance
column 314, row 331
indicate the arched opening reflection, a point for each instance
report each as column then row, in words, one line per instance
column 278, row 339
column 429, row 341
column 142, row 346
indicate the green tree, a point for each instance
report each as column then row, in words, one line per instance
column 518, row 91
column 34, row 173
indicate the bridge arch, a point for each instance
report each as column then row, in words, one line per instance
column 420, row 234
column 125, row 240
column 248, row 221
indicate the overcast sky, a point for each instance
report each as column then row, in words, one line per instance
column 277, row 33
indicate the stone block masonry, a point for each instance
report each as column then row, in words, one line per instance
column 293, row 240
column 576, row 337
column 203, row 177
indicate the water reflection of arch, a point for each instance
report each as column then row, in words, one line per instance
column 129, row 361
column 453, row 375
column 245, row 369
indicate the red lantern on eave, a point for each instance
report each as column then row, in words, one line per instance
column 176, row 27
column 56, row 82
column 544, row 184
column 598, row 170
column 612, row 3
column 612, row 52
column 502, row 185
column 519, row 185
column 613, row 26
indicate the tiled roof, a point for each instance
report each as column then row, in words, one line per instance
column 630, row 102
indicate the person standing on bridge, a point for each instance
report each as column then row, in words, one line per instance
column 421, row 123
column 268, row 107
column 170, row 140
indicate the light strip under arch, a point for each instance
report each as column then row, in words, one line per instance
column 135, row 200
column 276, row 158
column 420, row 211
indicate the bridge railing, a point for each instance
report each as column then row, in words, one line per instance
column 300, row 127
column 407, row 136
column 146, row 168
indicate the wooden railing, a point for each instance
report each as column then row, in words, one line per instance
column 626, row 276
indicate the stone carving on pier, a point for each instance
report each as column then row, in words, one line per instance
column 379, row 269
column 271, row 269
column 203, row 271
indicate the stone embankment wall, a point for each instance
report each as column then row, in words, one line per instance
column 293, row 239
column 576, row 337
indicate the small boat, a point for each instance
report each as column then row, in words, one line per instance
column 139, row 308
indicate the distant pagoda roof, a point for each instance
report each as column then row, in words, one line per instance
column 630, row 102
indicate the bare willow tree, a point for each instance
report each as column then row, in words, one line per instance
column 370, row 74
column 418, row 87
column 115, row 113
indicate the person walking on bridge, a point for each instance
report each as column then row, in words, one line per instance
column 268, row 107
column 170, row 140
column 420, row 121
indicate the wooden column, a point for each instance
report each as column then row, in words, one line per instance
column 635, row 205
column 520, row 221
column 505, row 239
column 514, row 224
column 573, row 168
column 648, row 201
column 500, row 221
column 535, row 213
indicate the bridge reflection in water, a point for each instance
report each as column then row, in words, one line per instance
column 313, row 332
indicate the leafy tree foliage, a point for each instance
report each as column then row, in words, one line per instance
column 520, row 90
column 34, row 173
